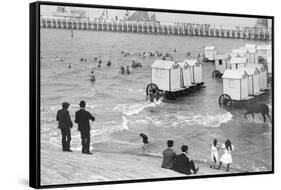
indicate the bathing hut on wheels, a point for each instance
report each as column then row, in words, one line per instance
column 166, row 77
column 253, row 81
column 235, row 87
column 186, row 74
column 238, row 52
column 252, row 57
column 196, row 72
column 174, row 78
column 262, row 75
column 238, row 63
column 209, row 52
column 222, row 63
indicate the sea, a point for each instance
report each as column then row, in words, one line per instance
column 118, row 101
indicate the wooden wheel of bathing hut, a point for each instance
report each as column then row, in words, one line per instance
column 225, row 100
column 152, row 88
column 216, row 74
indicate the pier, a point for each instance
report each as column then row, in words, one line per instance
column 157, row 28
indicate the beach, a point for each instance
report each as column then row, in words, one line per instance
column 119, row 104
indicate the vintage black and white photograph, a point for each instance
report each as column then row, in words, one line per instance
column 135, row 94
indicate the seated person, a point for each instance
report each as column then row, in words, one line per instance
column 182, row 163
column 168, row 156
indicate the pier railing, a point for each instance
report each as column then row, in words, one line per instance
column 158, row 28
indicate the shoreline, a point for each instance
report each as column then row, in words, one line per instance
column 59, row 167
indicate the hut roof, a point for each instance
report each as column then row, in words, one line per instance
column 234, row 74
column 251, row 50
column 192, row 62
column 221, row 56
column 250, row 46
column 258, row 66
column 251, row 70
column 183, row 64
column 210, row 48
column 163, row 64
column 264, row 47
column 235, row 60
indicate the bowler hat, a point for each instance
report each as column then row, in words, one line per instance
column 82, row 103
column 65, row 104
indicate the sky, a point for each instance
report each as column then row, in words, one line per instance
column 47, row 10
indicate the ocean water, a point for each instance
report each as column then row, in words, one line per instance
column 119, row 101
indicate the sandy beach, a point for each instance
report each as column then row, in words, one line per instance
column 65, row 168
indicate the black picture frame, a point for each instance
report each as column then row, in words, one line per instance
column 34, row 92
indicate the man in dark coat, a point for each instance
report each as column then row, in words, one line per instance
column 168, row 156
column 182, row 163
column 82, row 118
column 64, row 125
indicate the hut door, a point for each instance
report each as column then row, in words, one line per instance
column 175, row 78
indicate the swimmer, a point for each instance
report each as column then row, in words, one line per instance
column 128, row 71
column 108, row 63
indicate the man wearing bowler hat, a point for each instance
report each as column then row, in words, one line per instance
column 64, row 125
column 82, row 118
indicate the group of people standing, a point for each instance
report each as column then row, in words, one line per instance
column 82, row 118
column 226, row 158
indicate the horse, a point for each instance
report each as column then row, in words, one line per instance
column 257, row 108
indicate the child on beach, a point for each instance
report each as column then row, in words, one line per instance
column 214, row 153
column 226, row 157
column 145, row 141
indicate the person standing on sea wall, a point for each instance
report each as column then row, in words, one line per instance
column 82, row 118
column 169, row 156
column 226, row 157
column 64, row 124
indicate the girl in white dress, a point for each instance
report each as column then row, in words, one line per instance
column 226, row 157
column 214, row 154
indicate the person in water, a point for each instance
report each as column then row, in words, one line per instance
column 214, row 154
column 108, row 63
column 182, row 163
column 128, row 71
column 122, row 68
column 226, row 157
column 65, row 124
column 82, row 118
column 169, row 156
column 145, row 141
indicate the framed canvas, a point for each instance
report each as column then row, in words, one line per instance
column 130, row 94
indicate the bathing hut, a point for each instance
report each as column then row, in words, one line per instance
column 251, row 55
column 166, row 75
column 262, row 74
column 269, row 64
column 196, row 71
column 238, row 63
column 235, row 84
column 186, row 74
column 222, row 62
column 210, row 52
column 253, row 80
column 238, row 52
column 264, row 50
column 250, row 46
